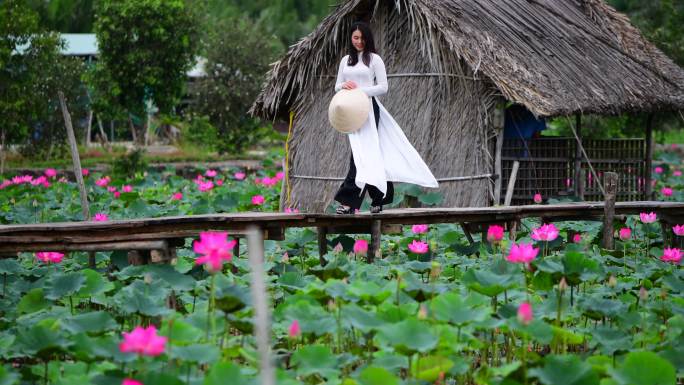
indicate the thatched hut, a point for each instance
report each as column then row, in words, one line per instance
column 451, row 65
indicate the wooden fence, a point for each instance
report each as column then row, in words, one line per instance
column 547, row 167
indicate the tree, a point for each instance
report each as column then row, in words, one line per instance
column 145, row 48
column 238, row 58
column 31, row 71
column 68, row 16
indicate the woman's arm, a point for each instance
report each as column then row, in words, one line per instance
column 340, row 75
column 378, row 68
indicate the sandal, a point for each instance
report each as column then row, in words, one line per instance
column 344, row 210
column 375, row 209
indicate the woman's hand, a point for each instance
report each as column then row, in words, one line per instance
column 349, row 85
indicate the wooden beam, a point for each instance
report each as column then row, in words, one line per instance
column 648, row 188
column 95, row 246
column 578, row 153
column 499, row 129
column 511, row 183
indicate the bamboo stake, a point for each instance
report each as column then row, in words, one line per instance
column 610, row 179
column 262, row 327
column 78, row 173
column 511, row 184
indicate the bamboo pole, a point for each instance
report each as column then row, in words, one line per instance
column 78, row 173
column 262, row 327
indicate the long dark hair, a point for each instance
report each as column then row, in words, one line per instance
column 368, row 47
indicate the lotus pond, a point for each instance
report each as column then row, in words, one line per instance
column 550, row 308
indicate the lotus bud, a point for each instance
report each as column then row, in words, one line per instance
column 332, row 306
column 643, row 294
column 286, row 257
column 612, row 281
column 338, row 248
column 563, row 284
column 148, row 278
column 435, row 270
column 422, row 311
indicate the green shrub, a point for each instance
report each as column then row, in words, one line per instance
column 129, row 164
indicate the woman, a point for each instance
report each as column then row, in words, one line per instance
column 381, row 153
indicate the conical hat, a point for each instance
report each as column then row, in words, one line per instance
column 348, row 110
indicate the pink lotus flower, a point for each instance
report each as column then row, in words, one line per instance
column 257, row 181
column 648, row 218
column 258, row 200
column 49, row 256
column 678, row 230
column 547, row 233
column 671, row 255
column 5, row 183
column 522, row 253
column 418, row 247
column 205, row 186
column 210, row 173
column 111, row 189
column 291, row 210
column 41, row 180
column 117, row 194
column 239, row 175
column 419, row 229
column 127, row 188
column 214, row 248
column 525, row 315
column 658, row 170
column 495, row 233
column 666, row 191
column 143, row 341
column 568, row 182
column 100, row 217
column 85, row 172
column 269, row 182
column 294, row 330
column 537, row 198
column 177, row 196
column 625, row 233
column 677, row 173
column 50, row 172
column 285, row 258
column 360, row 247
column 280, row 175
column 577, row 238
column 104, row 181
column 129, row 381
column 219, row 182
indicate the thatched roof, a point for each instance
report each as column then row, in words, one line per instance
column 556, row 57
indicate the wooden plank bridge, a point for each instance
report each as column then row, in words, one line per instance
column 166, row 233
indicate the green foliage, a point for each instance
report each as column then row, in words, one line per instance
column 146, row 47
column 32, row 70
column 70, row 16
column 199, row 131
column 238, row 57
column 129, row 164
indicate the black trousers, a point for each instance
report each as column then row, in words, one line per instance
column 349, row 194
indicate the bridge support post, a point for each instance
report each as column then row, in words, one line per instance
column 322, row 244
column 376, row 238
column 610, row 181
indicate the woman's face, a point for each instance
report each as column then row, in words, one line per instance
column 358, row 41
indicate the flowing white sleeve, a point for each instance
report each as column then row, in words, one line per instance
column 340, row 74
column 380, row 87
